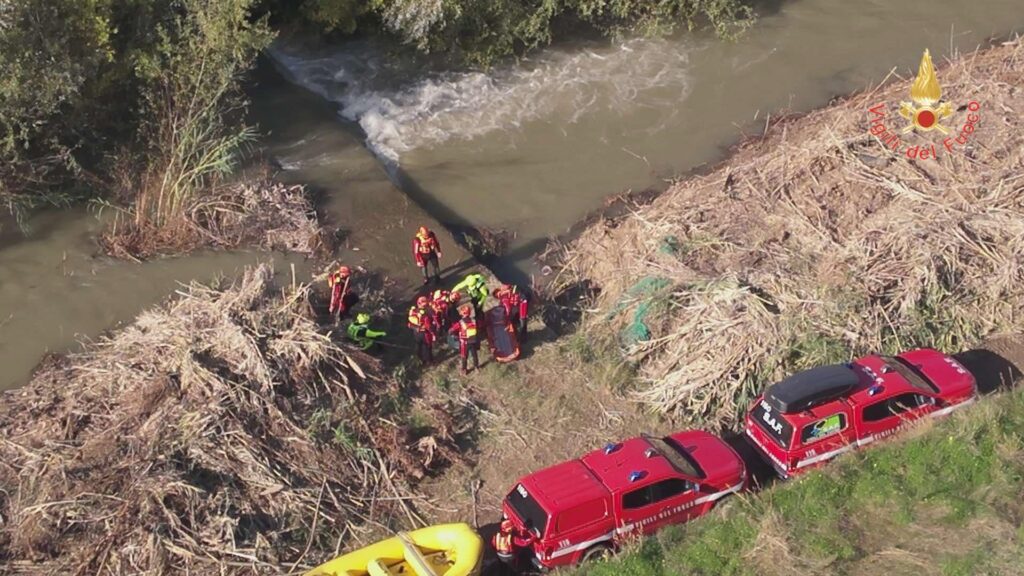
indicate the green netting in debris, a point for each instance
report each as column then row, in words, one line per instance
column 669, row 245
column 647, row 295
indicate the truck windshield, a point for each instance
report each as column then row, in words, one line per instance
column 772, row 422
column 528, row 510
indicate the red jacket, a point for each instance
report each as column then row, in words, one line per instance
column 424, row 246
column 420, row 320
column 466, row 329
column 514, row 300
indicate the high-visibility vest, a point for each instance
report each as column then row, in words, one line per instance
column 427, row 244
column 357, row 331
column 503, row 544
column 417, row 318
column 467, row 329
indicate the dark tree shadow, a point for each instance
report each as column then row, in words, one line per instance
column 993, row 372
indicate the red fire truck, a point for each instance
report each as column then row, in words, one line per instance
column 582, row 508
column 816, row 415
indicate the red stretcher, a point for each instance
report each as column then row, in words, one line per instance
column 501, row 335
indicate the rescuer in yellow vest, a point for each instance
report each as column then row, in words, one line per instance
column 469, row 344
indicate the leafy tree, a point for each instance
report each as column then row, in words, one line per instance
column 190, row 129
column 49, row 51
column 83, row 81
column 484, row 30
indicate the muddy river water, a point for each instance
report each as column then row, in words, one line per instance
column 529, row 147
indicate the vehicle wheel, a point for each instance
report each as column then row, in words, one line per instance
column 599, row 552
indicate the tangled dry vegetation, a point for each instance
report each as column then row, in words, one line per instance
column 814, row 243
column 222, row 433
column 258, row 213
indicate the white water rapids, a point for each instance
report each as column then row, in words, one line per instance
column 402, row 108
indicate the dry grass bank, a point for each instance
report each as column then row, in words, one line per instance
column 815, row 242
column 255, row 213
column 221, row 433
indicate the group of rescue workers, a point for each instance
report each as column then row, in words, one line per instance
column 436, row 313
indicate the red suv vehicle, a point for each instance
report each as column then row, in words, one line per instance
column 581, row 508
column 814, row 416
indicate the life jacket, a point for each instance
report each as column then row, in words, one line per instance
column 418, row 318
column 427, row 243
column 441, row 302
column 467, row 330
column 503, row 544
column 357, row 332
column 513, row 301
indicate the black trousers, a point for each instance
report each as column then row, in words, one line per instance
column 431, row 261
column 424, row 346
column 519, row 325
column 469, row 348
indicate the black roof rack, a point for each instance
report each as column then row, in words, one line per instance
column 810, row 387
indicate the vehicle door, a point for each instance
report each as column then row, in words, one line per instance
column 884, row 416
column 645, row 509
column 825, row 438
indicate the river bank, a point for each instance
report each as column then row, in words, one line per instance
column 812, row 243
column 816, row 241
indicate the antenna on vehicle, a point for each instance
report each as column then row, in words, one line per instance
column 636, row 475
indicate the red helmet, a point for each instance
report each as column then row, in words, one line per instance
column 466, row 310
column 506, row 525
column 454, row 297
column 344, row 271
column 422, row 301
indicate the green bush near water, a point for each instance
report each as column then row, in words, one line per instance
column 482, row 31
column 125, row 96
column 946, row 495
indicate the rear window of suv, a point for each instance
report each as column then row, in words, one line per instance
column 910, row 373
column 773, row 423
column 528, row 510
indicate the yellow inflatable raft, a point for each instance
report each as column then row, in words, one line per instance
column 442, row 550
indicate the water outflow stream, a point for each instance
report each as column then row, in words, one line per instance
column 533, row 147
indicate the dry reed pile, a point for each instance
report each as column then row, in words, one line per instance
column 814, row 243
column 259, row 213
column 222, row 433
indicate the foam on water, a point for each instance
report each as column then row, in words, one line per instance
column 401, row 107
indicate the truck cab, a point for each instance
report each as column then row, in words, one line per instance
column 584, row 507
column 813, row 416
